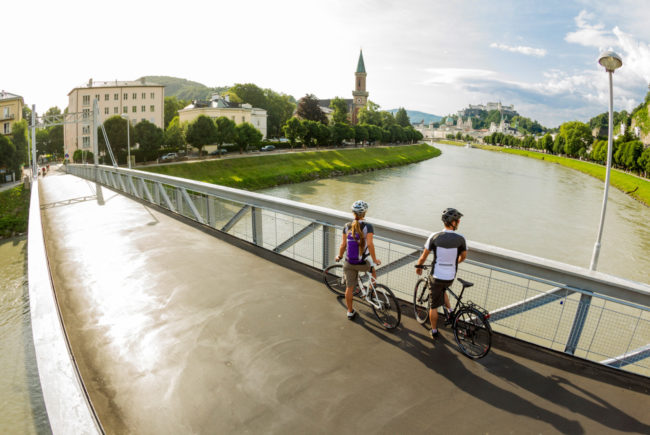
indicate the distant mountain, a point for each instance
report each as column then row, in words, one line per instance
column 417, row 117
column 184, row 89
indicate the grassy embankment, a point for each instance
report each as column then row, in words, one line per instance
column 261, row 171
column 14, row 211
column 451, row 142
column 630, row 184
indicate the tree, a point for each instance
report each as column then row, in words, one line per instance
column 115, row 127
column 370, row 114
column 360, row 134
column 374, row 133
column 27, row 114
column 246, row 135
column 53, row 111
column 42, row 142
column 55, row 140
column 323, row 135
column 402, row 118
column 19, row 139
column 558, row 144
column 340, row 107
column 644, row 162
column 309, row 109
column 171, row 107
column 8, row 157
column 577, row 135
column 150, row 138
column 82, row 156
column 309, row 132
column 201, row 132
column 251, row 94
column 292, row 130
column 226, row 132
column 174, row 134
column 279, row 107
column 547, row 143
column 340, row 131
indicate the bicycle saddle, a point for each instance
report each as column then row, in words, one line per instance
column 465, row 283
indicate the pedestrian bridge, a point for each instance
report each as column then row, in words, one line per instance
column 164, row 305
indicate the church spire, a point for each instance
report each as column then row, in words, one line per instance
column 361, row 68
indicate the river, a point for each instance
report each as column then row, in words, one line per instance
column 21, row 400
column 509, row 201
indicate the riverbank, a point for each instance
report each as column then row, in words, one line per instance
column 631, row 185
column 14, row 211
column 262, row 171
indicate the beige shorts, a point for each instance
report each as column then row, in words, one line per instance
column 351, row 272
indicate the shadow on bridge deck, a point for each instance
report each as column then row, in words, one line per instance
column 177, row 331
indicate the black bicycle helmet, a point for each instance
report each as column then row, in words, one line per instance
column 450, row 215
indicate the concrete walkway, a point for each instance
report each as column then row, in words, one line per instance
column 176, row 331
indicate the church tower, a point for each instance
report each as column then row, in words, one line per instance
column 359, row 95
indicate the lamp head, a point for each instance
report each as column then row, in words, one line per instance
column 610, row 60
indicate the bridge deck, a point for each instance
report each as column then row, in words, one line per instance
column 176, row 331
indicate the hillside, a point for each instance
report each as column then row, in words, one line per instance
column 417, row 117
column 184, row 89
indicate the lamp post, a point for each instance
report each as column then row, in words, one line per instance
column 611, row 62
column 128, row 137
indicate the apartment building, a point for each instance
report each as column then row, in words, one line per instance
column 11, row 110
column 222, row 106
column 136, row 100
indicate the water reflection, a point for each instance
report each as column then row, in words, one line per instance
column 509, row 201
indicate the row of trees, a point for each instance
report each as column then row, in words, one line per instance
column 311, row 126
column 13, row 149
column 575, row 139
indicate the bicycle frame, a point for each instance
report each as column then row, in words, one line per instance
column 366, row 292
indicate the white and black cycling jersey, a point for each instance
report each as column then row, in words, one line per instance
column 445, row 246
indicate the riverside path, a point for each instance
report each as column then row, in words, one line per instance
column 175, row 330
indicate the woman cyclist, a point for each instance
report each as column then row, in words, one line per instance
column 359, row 248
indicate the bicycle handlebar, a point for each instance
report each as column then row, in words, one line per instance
column 421, row 266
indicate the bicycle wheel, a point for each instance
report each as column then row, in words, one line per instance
column 389, row 315
column 473, row 333
column 335, row 279
column 421, row 301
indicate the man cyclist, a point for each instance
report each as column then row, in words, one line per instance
column 449, row 248
column 358, row 245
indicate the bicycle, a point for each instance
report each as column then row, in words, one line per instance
column 469, row 321
column 381, row 298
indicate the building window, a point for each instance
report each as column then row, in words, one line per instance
column 7, row 130
column 126, row 96
column 86, row 100
column 233, row 117
column 134, row 109
column 151, row 120
column 144, row 95
column 86, row 141
column 125, row 109
column 97, row 97
column 106, row 111
column 85, row 129
column 144, row 108
column 106, row 97
column 86, row 113
column 142, row 119
column 152, row 108
column 152, row 95
column 135, row 95
column 116, row 110
column 243, row 119
column 116, row 97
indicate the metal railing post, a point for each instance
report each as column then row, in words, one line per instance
column 256, row 221
column 329, row 245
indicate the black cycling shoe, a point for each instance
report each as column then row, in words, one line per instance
column 449, row 318
column 352, row 315
column 434, row 335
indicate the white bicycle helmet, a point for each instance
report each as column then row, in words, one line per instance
column 360, row 207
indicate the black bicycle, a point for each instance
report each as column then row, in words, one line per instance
column 381, row 298
column 469, row 321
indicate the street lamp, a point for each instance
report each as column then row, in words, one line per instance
column 128, row 137
column 611, row 62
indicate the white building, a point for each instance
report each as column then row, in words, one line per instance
column 138, row 100
column 221, row 106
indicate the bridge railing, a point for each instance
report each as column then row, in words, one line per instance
column 585, row 313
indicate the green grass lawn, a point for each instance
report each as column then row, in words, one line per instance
column 638, row 188
column 14, row 211
column 261, row 171
column 452, row 142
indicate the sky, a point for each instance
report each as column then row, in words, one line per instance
column 429, row 55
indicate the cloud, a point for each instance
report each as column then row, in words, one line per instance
column 528, row 51
column 454, row 76
column 590, row 35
